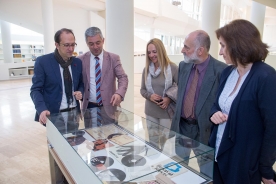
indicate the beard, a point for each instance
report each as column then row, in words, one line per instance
column 192, row 59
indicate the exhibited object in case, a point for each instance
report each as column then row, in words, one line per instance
column 122, row 139
column 77, row 140
column 120, row 153
column 112, row 175
column 133, row 160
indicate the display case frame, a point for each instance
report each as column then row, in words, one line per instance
column 75, row 158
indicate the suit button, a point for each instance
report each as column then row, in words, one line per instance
column 87, row 99
column 88, row 89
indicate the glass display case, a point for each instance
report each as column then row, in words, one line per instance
column 113, row 145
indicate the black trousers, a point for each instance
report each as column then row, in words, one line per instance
column 184, row 146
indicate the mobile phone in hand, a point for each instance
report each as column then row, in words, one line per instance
column 158, row 101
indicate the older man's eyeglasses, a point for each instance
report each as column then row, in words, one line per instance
column 67, row 45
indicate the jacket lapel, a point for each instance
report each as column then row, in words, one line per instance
column 74, row 72
column 106, row 64
column 206, row 87
column 182, row 83
column 86, row 64
column 56, row 69
column 229, row 136
column 185, row 73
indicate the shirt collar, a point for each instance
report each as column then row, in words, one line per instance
column 203, row 65
column 100, row 56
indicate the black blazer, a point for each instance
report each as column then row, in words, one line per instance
column 46, row 91
column 248, row 148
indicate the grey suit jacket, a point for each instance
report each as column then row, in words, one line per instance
column 206, row 96
column 111, row 69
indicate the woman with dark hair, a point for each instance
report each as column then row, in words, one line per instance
column 244, row 114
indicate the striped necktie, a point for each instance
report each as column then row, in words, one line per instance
column 98, row 74
column 99, row 116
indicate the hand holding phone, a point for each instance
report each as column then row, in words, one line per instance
column 158, row 101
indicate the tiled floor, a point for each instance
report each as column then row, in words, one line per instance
column 23, row 147
column 23, row 143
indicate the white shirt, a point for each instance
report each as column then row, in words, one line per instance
column 92, row 95
column 225, row 101
column 64, row 104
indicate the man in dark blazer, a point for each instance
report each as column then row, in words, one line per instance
column 111, row 69
column 196, row 124
column 51, row 92
column 57, row 84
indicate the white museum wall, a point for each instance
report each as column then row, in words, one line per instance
column 269, row 36
column 271, row 60
column 139, row 45
column 75, row 18
column 25, row 13
column 97, row 20
column 27, row 39
column 30, row 17
column 176, row 58
column 151, row 7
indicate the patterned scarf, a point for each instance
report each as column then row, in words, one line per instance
column 154, row 74
column 66, row 76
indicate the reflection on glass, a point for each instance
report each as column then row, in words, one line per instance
column 120, row 148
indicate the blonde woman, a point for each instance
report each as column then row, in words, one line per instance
column 158, row 80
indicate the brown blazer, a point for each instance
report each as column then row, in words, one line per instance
column 111, row 69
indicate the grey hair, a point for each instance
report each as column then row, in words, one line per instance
column 203, row 40
column 93, row 31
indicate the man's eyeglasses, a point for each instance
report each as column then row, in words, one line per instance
column 67, row 45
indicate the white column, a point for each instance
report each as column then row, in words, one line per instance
column 210, row 22
column 120, row 40
column 6, row 42
column 258, row 15
column 48, row 25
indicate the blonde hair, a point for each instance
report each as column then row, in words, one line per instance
column 162, row 57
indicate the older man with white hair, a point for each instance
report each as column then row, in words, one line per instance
column 198, row 80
